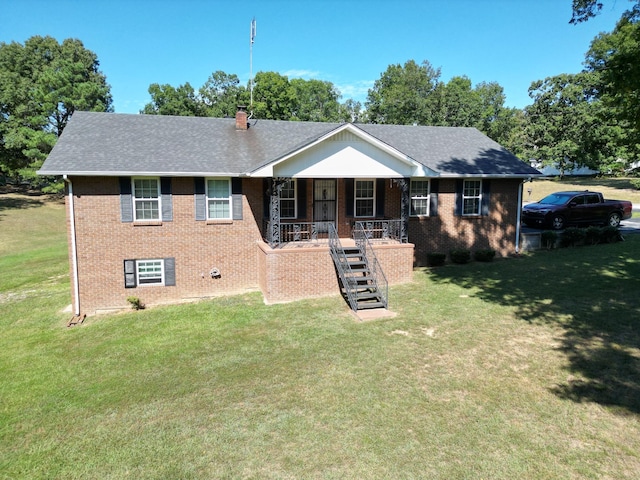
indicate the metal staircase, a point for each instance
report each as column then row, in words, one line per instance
column 362, row 280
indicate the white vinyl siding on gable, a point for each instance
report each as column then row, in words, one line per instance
column 146, row 199
column 218, row 198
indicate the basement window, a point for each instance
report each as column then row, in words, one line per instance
column 153, row 271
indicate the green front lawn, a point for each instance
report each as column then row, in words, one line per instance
column 519, row 368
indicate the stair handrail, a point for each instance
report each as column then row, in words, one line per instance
column 379, row 279
column 341, row 261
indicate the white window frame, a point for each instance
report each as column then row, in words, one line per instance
column 293, row 199
column 421, row 198
column 155, row 263
column 227, row 199
column 142, row 199
column 356, row 198
column 469, row 198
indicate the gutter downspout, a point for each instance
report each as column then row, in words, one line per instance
column 74, row 251
column 519, row 214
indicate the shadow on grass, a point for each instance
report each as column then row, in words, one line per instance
column 593, row 295
column 18, row 202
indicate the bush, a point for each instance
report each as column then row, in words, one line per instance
column 610, row 235
column 436, row 259
column 548, row 239
column 593, row 235
column 135, row 302
column 635, row 182
column 484, row 255
column 460, row 256
column 572, row 236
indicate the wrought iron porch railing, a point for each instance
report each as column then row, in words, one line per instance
column 361, row 235
column 318, row 232
column 388, row 229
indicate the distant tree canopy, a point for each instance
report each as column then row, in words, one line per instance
column 414, row 94
column 583, row 10
column 41, row 84
column 275, row 97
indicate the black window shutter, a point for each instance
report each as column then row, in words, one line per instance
column 459, row 189
column 200, row 198
column 349, row 196
column 301, row 185
column 236, row 185
column 486, row 197
column 166, row 199
column 433, row 198
column 130, row 280
column 380, row 197
column 126, row 202
column 170, row 272
column 236, row 206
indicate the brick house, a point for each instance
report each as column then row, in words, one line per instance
column 169, row 209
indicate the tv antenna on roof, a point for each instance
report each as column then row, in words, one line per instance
column 252, row 37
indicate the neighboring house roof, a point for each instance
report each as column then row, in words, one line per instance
column 128, row 144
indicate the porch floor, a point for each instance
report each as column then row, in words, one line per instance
column 345, row 242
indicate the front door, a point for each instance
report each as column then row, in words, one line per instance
column 324, row 201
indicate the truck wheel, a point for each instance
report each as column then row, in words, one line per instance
column 614, row 220
column 557, row 222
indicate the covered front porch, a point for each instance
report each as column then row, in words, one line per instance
column 303, row 211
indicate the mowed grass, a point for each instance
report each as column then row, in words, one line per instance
column 519, row 368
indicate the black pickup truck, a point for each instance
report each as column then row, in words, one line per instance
column 561, row 209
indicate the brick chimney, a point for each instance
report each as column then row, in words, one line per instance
column 241, row 118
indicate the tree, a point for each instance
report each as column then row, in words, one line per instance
column 352, row 111
column 461, row 105
column 616, row 56
column 274, row 97
column 167, row 100
column 316, row 101
column 221, row 94
column 403, row 95
column 41, row 84
column 565, row 123
column 583, row 10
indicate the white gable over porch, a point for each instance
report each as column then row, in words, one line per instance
column 347, row 152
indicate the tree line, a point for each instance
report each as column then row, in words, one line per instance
column 588, row 118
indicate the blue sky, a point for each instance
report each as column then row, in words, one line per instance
column 347, row 42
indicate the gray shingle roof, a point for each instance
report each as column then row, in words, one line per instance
column 125, row 144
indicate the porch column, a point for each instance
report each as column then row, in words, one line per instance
column 274, row 211
column 405, row 207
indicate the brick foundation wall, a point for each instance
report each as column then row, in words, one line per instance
column 296, row 273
